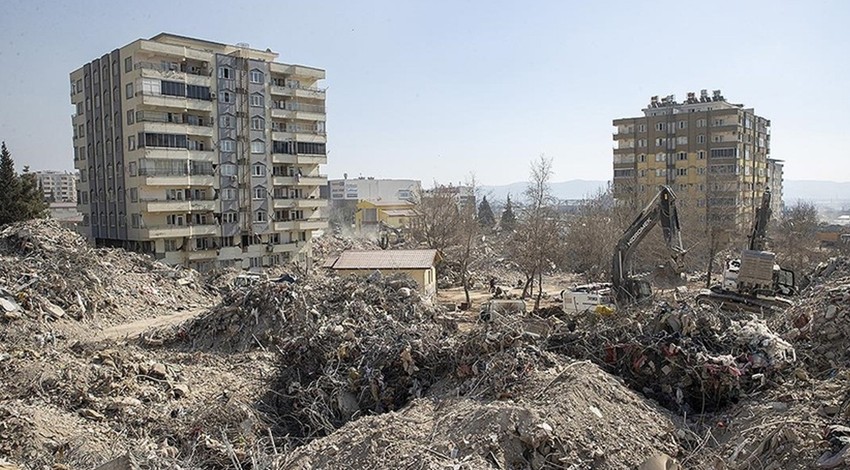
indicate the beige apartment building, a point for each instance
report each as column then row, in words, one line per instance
column 200, row 153
column 57, row 186
column 713, row 153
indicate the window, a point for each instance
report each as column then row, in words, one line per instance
column 724, row 153
column 134, row 195
column 128, row 64
column 132, row 168
column 174, row 195
column 718, row 138
column 80, row 108
column 225, row 97
column 225, row 72
column 260, row 216
column 718, row 122
column 257, row 100
column 228, row 194
column 135, row 220
column 228, row 169
column 701, row 154
column 681, row 172
column 642, row 128
column 255, row 262
column 256, row 76
column 258, row 123
column 660, row 172
column 225, row 241
column 259, row 170
column 198, row 92
column 683, row 124
column 225, row 121
column 79, row 86
column 682, row 140
column 171, row 244
column 174, row 219
column 659, row 142
column 274, row 239
column 131, row 142
column 81, row 131
column 682, row 156
column 131, row 117
column 259, row 193
column 230, row 217
column 700, row 122
column 701, row 139
column 659, row 126
column 701, row 171
column 151, row 139
column 227, row 146
column 172, row 88
column 258, row 146
column 642, row 158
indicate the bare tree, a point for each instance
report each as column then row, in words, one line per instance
column 538, row 239
column 795, row 237
column 468, row 233
column 437, row 213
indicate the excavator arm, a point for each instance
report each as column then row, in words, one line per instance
column 758, row 235
column 662, row 209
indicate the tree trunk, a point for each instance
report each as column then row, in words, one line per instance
column 528, row 288
column 539, row 290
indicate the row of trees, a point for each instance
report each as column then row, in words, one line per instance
column 20, row 198
column 541, row 239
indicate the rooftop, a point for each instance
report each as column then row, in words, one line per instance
column 384, row 259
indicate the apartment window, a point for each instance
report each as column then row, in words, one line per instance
column 724, row 153
column 225, row 241
column 718, row 122
column 683, row 124
column 701, row 154
column 80, row 108
column 198, row 92
column 660, row 157
column 681, row 172
column 131, row 117
column 681, row 140
column 701, row 171
column 128, row 64
column 255, row 262
column 260, row 193
column 172, row 88
column 174, row 219
column 79, row 86
column 227, row 146
column 701, row 122
column 225, row 72
column 128, row 91
column 660, row 172
column 228, row 194
column 260, row 216
column 641, row 127
column 259, row 170
column 134, row 195
column 228, row 169
column 131, row 142
column 718, row 138
column 659, row 142
column 225, row 121
column 700, row 139
column 258, row 123
column 682, row 156
column 135, row 220
column 642, row 158
column 256, row 76
column 258, row 146
column 171, row 244
column 230, row 217
column 257, row 100
column 659, row 126
column 225, row 97
column 174, row 195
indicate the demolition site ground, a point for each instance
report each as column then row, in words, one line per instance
column 111, row 360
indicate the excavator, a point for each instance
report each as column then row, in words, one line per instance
column 753, row 282
column 625, row 289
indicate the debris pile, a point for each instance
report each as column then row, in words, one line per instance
column 331, row 244
column 47, row 270
column 691, row 360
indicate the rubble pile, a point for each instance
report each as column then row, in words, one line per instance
column 566, row 415
column 487, row 261
column 819, row 323
column 331, row 244
column 691, row 360
column 49, row 271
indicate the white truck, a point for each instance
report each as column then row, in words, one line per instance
column 580, row 298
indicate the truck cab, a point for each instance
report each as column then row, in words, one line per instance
column 581, row 298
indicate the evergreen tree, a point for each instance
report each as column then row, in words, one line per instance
column 9, row 187
column 485, row 214
column 508, row 220
column 20, row 198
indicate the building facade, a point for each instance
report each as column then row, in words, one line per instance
column 713, row 153
column 200, row 153
column 57, row 186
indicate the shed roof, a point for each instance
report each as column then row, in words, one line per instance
column 384, row 259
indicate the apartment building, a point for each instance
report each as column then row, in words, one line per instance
column 200, row 153
column 713, row 153
column 57, row 186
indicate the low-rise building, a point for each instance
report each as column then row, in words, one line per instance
column 419, row 265
column 370, row 215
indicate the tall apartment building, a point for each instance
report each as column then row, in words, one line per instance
column 713, row 153
column 203, row 154
column 57, row 186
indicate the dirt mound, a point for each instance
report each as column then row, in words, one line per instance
column 50, row 271
column 570, row 415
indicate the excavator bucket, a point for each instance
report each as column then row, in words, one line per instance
column 667, row 276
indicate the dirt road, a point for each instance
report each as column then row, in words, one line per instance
column 136, row 328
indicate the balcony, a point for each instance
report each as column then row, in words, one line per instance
column 284, row 158
column 312, row 159
column 300, row 134
column 162, row 205
column 314, row 180
column 179, row 154
column 194, row 254
column 175, row 52
column 304, row 224
column 181, row 74
column 169, row 101
column 300, row 203
column 298, row 92
column 283, row 180
column 298, row 71
column 175, row 180
column 307, row 112
column 179, row 231
column 177, row 128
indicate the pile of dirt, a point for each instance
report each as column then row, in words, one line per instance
column 568, row 415
column 47, row 270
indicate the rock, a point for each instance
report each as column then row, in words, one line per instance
column 778, row 406
column 830, row 312
column 91, row 414
column 404, row 292
column 180, row 390
column 124, row 402
column 9, row 305
column 660, row 462
column 53, row 309
column 16, row 315
column 830, row 410
column 158, row 371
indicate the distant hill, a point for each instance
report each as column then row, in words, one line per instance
column 794, row 190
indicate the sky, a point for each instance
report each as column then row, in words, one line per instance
column 442, row 90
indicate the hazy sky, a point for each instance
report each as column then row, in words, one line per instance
column 436, row 90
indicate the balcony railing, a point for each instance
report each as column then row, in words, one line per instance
column 298, row 130
column 169, row 68
column 169, row 172
column 164, row 119
column 293, row 86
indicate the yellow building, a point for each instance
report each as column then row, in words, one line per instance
column 714, row 153
column 419, row 265
column 395, row 214
column 200, row 153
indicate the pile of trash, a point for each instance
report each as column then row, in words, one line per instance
column 689, row 359
column 49, row 271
